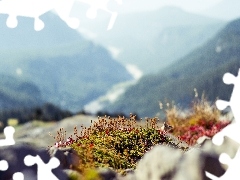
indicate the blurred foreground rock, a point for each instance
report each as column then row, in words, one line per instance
column 67, row 156
column 160, row 163
column 15, row 156
column 166, row 163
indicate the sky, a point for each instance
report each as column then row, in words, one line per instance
column 40, row 6
column 188, row 5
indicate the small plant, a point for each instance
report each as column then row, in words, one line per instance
column 204, row 128
column 202, row 119
column 91, row 174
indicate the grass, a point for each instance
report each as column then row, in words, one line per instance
column 203, row 118
column 119, row 143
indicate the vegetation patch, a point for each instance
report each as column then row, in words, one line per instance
column 203, row 119
column 117, row 143
column 120, row 142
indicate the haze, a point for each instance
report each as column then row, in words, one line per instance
column 188, row 5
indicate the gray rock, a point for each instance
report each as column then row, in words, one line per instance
column 159, row 163
column 130, row 176
column 73, row 174
column 203, row 139
column 166, row 163
column 194, row 164
column 107, row 174
column 68, row 157
column 229, row 146
column 128, row 171
column 15, row 155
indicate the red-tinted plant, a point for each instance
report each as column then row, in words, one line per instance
column 205, row 128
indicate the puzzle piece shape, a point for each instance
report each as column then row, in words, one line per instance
column 18, row 176
column 210, row 147
column 8, row 132
column 233, row 167
column 96, row 5
column 3, row 165
column 63, row 9
column 44, row 170
column 35, row 8
column 26, row 8
column 232, row 131
column 235, row 98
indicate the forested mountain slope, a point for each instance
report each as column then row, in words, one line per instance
column 152, row 40
column 202, row 69
column 69, row 70
column 16, row 93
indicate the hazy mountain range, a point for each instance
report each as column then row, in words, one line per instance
column 226, row 10
column 152, row 40
column 71, row 69
column 62, row 66
column 202, row 69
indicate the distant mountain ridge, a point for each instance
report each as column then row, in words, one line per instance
column 15, row 93
column 55, row 33
column 68, row 69
column 152, row 40
column 202, row 69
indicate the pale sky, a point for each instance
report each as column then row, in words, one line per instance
column 40, row 6
column 189, row 5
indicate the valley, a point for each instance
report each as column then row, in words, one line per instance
column 67, row 69
column 202, row 69
column 128, row 69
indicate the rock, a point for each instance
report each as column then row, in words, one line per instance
column 107, row 174
column 72, row 174
column 15, row 155
column 68, row 157
column 159, row 163
column 229, row 146
column 193, row 164
column 166, row 163
column 201, row 140
column 128, row 171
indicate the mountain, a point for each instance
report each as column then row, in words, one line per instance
column 69, row 70
column 15, row 93
column 154, row 39
column 202, row 69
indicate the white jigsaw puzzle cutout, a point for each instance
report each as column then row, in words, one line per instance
column 44, row 170
column 96, row 5
column 35, row 8
column 9, row 140
column 232, row 130
column 3, row 165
